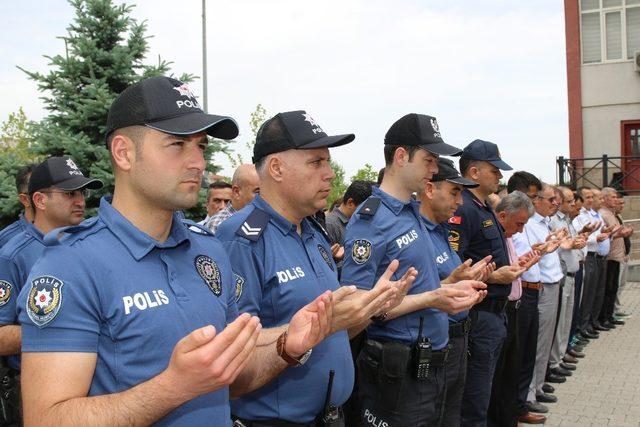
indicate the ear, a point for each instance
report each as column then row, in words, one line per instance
column 24, row 200
column 400, row 156
column 275, row 167
column 235, row 190
column 429, row 190
column 39, row 200
column 474, row 172
column 502, row 216
column 123, row 152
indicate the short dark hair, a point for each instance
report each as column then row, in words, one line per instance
column 380, row 176
column 465, row 163
column 521, row 181
column 578, row 198
column 390, row 150
column 358, row 191
column 22, row 178
column 219, row 184
column 581, row 190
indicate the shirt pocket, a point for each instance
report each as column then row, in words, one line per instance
column 493, row 236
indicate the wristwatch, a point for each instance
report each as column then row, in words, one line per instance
column 291, row 361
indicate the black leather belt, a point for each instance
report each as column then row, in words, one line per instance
column 571, row 274
column 493, row 305
column 514, row 304
column 459, row 329
column 375, row 348
column 595, row 254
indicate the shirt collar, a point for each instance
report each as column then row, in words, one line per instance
column 392, row 203
column 31, row 230
column 136, row 241
column 539, row 218
column 284, row 225
column 343, row 218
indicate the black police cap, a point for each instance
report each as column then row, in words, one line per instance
column 422, row 131
column 62, row 173
column 293, row 130
column 448, row 172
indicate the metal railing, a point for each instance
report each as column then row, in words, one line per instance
column 572, row 172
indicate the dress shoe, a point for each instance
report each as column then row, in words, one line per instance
column 617, row 322
column 531, row 418
column 548, row 388
column 600, row 327
column 592, row 334
column 622, row 314
column 569, row 359
column 575, row 353
column 546, row 398
column 567, row 366
column 578, row 347
column 560, row 371
column 608, row 324
column 554, row 378
column 537, row 407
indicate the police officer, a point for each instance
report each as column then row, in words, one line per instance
column 22, row 182
column 440, row 199
column 282, row 260
column 57, row 192
column 131, row 319
column 476, row 233
column 401, row 368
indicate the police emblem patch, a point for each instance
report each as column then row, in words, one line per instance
column 361, row 251
column 239, row 285
column 5, row 292
column 326, row 257
column 45, row 299
column 210, row 273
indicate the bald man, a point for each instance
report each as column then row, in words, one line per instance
column 245, row 184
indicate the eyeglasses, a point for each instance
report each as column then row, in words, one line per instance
column 71, row 194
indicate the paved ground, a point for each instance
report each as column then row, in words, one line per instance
column 605, row 389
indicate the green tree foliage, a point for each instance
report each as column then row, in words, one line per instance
column 16, row 139
column 366, row 173
column 257, row 117
column 105, row 52
column 338, row 186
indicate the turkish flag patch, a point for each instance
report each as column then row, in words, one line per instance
column 455, row 220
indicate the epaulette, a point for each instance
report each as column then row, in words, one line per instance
column 253, row 227
column 52, row 238
column 314, row 221
column 196, row 228
column 369, row 208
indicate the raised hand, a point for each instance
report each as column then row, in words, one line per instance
column 207, row 360
column 337, row 252
column 456, row 297
column 506, row 274
column 310, row 325
column 467, row 272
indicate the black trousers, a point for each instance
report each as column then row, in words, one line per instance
column 503, row 405
column 528, row 336
column 610, row 290
column 577, row 289
column 590, row 280
column 598, row 301
column 455, row 374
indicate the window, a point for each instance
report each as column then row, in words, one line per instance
column 610, row 30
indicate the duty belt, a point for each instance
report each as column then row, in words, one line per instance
column 438, row 357
column 531, row 285
column 459, row 329
column 238, row 422
column 492, row 305
column 571, row 274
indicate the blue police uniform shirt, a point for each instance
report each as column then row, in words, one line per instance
column 12, row 229
column 17, row 257
column 111, row 289
column 394, row 231
column 446, row 258
column 279, row 271
column 475, row 233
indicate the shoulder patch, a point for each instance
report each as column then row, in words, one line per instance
column 239, row 285
column 210, row 273
column 455, row 220
column 5, row 292
column 361, row 251
column 253, row 227
column 196, row 228
column 369, row 208
column 325, row 256
column 44, row 300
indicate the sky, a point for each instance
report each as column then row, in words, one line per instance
column 492, row 70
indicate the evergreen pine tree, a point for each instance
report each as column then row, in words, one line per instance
column 104, row 53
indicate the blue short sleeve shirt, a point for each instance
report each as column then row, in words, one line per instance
column 279, row 271
column 113, row 290
column 394, row 231
column 17, row 257
column 12, row 229
column 446, row 258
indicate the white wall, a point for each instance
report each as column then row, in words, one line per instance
column 610, row 94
